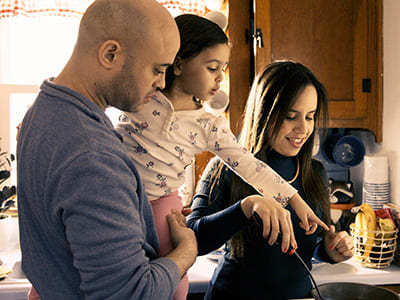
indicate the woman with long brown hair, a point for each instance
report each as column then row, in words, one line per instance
column 285, row 104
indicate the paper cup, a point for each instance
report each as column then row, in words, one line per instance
column 376, row 169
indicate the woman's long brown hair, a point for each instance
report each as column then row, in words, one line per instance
column 273, row 93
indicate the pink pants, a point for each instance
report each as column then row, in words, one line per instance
column 33, row 295
column 161, row 208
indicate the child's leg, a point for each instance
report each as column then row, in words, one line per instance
column 33, row 295
column 161, row 208
column 182, row 290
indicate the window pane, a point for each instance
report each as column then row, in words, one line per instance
column 33, row 49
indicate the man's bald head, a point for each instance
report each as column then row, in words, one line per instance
column 122, row 51
column 126, row 21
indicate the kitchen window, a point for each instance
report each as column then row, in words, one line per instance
column 30, row 50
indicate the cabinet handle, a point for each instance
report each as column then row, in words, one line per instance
column 366, row 85
column 259, row 38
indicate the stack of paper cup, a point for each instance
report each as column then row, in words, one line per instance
column 376, row 187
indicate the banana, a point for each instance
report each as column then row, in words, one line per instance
column 359, row 220
column 361, row 225
column 369, row 225
column 366, row 208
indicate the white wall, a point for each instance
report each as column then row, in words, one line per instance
column 27, row 56
column 391, row 91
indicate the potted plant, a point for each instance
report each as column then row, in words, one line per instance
column 8, row 194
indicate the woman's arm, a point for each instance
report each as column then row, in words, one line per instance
column 215, row 222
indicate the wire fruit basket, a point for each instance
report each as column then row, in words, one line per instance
column 396, row 259
column 377, row 251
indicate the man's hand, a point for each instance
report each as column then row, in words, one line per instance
column 184, row 240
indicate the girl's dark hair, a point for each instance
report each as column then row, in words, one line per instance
column 196, row 33
column 274, row 91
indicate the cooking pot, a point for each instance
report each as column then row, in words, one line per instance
column 353, row 291
column 344, row 150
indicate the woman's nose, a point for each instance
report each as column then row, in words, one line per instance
column 301, row 126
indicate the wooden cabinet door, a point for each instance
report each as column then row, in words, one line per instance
column 340, row 41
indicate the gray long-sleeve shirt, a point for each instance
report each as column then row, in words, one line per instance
column 86, row 226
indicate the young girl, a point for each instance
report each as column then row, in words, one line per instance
column 173, row 126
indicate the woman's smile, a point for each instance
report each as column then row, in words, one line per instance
column 296, row 142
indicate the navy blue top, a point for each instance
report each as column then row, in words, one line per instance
column 264, row 272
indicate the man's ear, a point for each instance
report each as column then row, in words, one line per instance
column 108, row 53
column 177, row 65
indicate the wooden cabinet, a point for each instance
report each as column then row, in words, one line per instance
column 339, row 40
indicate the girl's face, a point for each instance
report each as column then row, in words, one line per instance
column 201, row 75
column 298, row 124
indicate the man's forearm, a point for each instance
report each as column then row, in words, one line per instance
column 184, row 257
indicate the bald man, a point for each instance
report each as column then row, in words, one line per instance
column 86, row 225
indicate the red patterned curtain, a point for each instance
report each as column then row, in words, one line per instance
column 176, row 7
column 33, row 8
column 75, row 8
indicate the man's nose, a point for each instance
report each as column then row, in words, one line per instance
column 160, row 82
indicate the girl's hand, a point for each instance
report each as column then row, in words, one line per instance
column 186, row 211
column 339, row 246
column 309, row 221
column 275, row 219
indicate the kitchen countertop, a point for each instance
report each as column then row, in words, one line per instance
column 16, row 286
column 348, row 271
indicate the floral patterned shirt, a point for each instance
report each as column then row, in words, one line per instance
column 162, row 142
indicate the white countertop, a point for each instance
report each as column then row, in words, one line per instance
column 15, row 287
column 349, row 271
